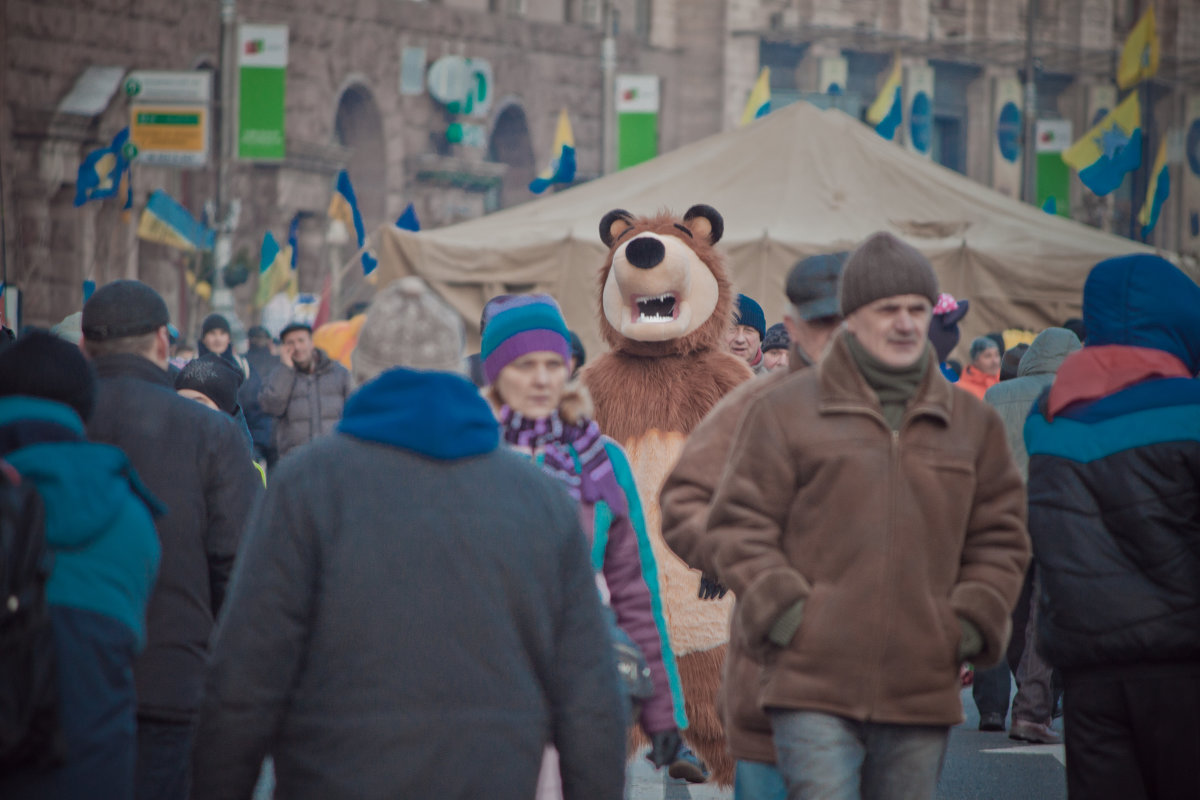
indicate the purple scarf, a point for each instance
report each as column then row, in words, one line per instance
column 593, row 480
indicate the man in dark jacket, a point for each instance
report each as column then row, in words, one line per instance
column 431, row 658
column 306, row 392
column 262, row 363
column 198, row 464
column 1114, row 511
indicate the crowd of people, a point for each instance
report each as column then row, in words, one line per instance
column 419, row 574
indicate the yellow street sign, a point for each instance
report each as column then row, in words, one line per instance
column 170, row 135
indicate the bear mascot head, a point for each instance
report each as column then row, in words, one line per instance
column 666, row 304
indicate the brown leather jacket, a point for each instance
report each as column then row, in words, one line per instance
column 684, row 501
column 888, row 536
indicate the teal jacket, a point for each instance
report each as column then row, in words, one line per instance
column 98, row 515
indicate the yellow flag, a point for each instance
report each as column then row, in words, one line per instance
column 1139, row 56
column 759, row 102
column 1157, row 192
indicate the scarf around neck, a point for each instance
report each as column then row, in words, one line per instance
column 893, row 386
column 572, row 453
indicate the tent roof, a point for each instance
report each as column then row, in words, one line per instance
column 798, row 181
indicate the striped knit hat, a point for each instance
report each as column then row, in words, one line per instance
column 523, row 324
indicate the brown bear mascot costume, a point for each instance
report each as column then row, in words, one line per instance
column 666, row 304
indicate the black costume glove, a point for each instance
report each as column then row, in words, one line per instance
column 663, row 747
column 710, row 589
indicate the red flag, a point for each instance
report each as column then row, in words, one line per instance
column 326, row 298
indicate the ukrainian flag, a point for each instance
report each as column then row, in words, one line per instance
column 101, row 171
column 344, row 206
column 274, row 271
column 887, row 112
column 408, row 220
column 1109, row 150
column 562, row 163
column 759, row 102
column 166, row 222
column 1157, row 192
column 1139, row 56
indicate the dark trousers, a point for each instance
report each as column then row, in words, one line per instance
column 164, row 760
column 991, row 689
column 1133, row 732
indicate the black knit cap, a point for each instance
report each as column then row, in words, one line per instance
column 776, row 339
column 121, row 309
column 214, row 322
column 885, row 266
column 215, row 378
column 40, row 364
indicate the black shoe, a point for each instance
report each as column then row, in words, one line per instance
column 688, row 766
column 992, row 721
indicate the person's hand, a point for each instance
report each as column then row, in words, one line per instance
column 710, row 589
column 966, row 674
column 285, row 356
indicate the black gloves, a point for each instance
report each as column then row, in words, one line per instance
column 663, row 747
column 710, row 589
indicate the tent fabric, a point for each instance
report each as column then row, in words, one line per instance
column 796, row 182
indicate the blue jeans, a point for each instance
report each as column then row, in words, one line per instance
column 754, row 780
column 826, row 757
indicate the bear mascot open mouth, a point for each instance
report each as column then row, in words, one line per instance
column 666, row 303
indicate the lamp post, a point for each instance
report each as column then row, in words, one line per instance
column 1029, row 117
column 608, row 66
column 222, row 296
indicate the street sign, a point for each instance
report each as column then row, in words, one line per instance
column 161, row 86
column 170, row 135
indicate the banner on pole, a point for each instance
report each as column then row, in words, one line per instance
column 637, row 106
column 262, row 91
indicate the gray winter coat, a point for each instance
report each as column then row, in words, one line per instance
column 305, row 404
column 1014, row 398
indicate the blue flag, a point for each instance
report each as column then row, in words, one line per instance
column 100, row 173
column 408, row 220
column 294, row 237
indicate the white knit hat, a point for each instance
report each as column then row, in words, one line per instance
column 408, row 325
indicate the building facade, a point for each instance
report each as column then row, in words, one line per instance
column 362, row 93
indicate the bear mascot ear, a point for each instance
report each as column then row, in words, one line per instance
column 614, row 224
column 705, row 222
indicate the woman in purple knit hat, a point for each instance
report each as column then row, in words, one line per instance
column 526, row 354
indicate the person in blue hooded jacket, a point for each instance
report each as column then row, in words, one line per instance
column 1114, row 512
column 413, row 611
column 100, row 533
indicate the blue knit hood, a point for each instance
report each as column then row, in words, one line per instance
column 436, row 414
column 82, row 484
column 1143, row 301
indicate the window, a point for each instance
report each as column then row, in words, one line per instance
column 514, row 7
column 643, row 15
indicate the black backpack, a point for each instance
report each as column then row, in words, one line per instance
column 30, row 732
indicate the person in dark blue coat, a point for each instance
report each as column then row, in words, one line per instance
column 100, row 532
column 1114, row 512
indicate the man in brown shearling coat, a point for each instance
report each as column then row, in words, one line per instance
column 872, row 523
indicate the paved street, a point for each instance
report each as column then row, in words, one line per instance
column 979, row 766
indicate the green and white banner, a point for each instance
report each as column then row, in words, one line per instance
column 1053, row 174
column 262, row 84
column 637, row 119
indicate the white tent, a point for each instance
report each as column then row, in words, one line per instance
column 799, row 181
